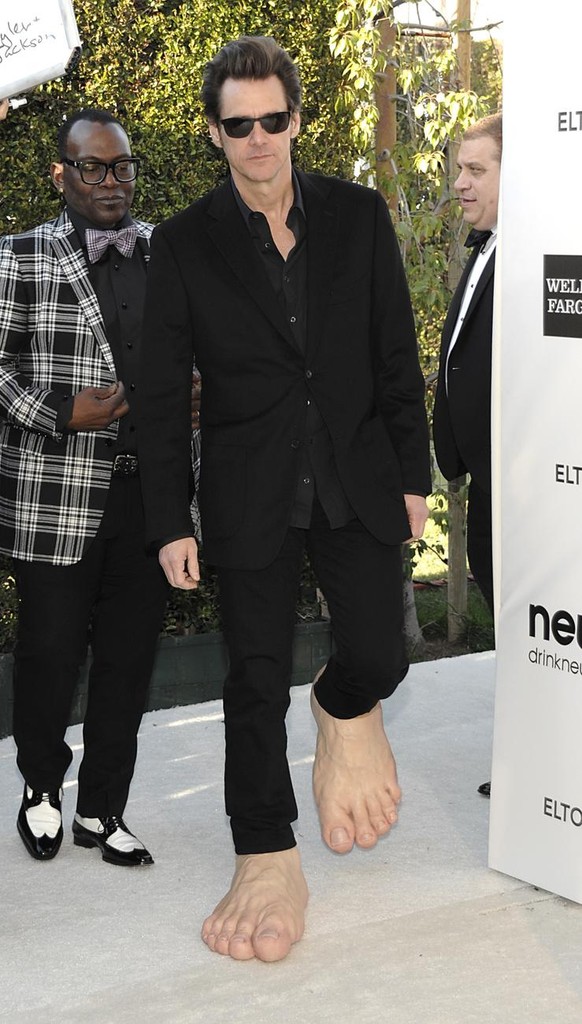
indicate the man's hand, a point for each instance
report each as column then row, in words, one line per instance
column 196, row 390
column 179, row 560
column 417, row 511
column 96, row 408
column 3, row 109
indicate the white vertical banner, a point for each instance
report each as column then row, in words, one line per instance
column 536, row 792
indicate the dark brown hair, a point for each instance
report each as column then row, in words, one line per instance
column 257, row 57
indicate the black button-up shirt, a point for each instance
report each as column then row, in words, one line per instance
column 119, row 284
column 317, row 474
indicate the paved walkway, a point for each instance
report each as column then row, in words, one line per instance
column 417, row 931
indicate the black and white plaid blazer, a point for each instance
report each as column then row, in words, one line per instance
column 53, row 486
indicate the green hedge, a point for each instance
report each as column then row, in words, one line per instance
column 187, row 611
column 142, row 59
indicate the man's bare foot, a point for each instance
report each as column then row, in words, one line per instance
column 263, row 913
column 354, row 779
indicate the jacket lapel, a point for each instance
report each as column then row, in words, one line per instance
column 69, row 254
column 322, row 226
column 455, row 306
column 481, row 285
column 455, row 303
column 231, row 237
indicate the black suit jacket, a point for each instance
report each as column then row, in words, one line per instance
column 209, row 301
column 462, row 418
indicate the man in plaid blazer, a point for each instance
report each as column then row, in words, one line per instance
column 71, row 301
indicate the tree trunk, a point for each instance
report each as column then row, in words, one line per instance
column 414, row 639
column 457, row 563
column 457, row 573
column 386, row 103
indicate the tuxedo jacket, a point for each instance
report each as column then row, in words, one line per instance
column 53, row 485
column 462, row 418
column 209, row 300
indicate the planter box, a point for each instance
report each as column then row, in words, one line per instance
column 187, row 670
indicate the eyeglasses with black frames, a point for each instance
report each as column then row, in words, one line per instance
column 272, row 124
column 93, row 172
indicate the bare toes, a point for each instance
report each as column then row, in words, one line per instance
column 381, row 826
column 366, row 840
column 241, row 947
column 211, row 938
column 271, row 944
column 263, row 913
column 355, row 781
column 339, row 839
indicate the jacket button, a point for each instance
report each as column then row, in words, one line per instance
column 295, row 443
column 308, row 374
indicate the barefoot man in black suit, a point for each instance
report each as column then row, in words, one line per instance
column 288, row 291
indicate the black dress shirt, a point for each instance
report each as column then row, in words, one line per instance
column 317, row 475
column 119, row 283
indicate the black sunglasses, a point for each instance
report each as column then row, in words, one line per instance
column 272, row 124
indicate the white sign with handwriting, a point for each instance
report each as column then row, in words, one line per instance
column 37, row 40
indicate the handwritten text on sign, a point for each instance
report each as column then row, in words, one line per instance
column 37, row 40
column 17, row 37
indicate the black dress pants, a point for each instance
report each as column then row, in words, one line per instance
column 113, row 598
column 480, row 540
column 362, row 583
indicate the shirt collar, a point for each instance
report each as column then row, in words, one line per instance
column 491, row 241
column 246, row 210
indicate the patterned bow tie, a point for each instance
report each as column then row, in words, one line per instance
column 477, row 237
column 98, row 242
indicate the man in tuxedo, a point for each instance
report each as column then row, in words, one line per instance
column 462, row 411
column 71, row 515
column 289, row 291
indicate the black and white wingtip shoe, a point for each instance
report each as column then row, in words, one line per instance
column 111, row 835
column 40, row 823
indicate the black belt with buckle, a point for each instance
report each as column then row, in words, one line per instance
column 125, row 464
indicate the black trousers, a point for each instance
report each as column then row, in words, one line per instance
column 480, row 540
column 114, row 598
column 362, row 583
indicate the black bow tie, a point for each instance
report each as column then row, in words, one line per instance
column 477, row 237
